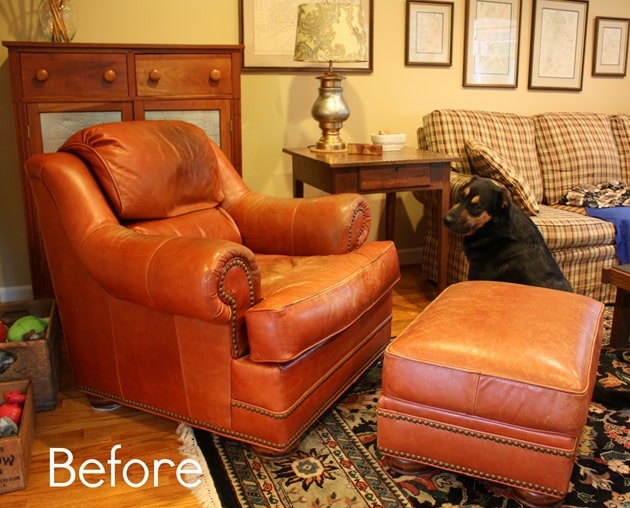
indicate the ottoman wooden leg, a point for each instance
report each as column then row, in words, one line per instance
column 536, row 499
column 404, row 466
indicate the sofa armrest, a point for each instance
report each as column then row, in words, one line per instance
column 331, row 224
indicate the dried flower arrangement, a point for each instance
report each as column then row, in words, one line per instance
column 54, row 16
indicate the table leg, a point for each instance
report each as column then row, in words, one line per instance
column 442, row 239
column 620, row 332
column 298, row 188
column 390, row 215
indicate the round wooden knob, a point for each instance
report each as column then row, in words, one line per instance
column 109, row 75
column 41, row 75
column 215, row 75
column 155, row 75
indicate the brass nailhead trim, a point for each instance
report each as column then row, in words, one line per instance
column 195, row 423
column 230, row 433
column 476, row 434
column 474, row 472
column 357, row 211
column 227, row 298
column 302, row 399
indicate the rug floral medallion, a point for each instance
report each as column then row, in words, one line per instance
column 338, row 464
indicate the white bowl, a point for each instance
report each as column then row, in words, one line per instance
column 390, row 142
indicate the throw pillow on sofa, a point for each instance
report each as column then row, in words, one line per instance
column 489, row 163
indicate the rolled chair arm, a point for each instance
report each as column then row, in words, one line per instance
column 331, row 224
column 200, row 278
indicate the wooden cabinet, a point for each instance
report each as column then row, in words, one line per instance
column 59, row 89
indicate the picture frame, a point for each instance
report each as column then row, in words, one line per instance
column 558, row 43
column 429, row 33
column 267, row 32
column 491, row 44
column 610, row 47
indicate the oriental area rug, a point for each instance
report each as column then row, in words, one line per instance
column 338, row 465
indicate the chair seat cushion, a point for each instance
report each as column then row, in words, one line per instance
column 518, row 355
column 307, row 300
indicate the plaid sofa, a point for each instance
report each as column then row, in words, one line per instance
column 539, row 158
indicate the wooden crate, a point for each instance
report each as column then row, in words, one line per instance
column 15, row 451
column 37, row 360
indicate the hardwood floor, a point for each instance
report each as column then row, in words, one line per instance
column 73, row 425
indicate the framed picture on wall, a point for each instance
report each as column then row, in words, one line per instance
column 267, row 31
column 491, row 40
column 557, row 44
column 610, row 48
column 429, row 33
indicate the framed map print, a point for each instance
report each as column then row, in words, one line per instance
column 557, row 44
column 267, row 30
column 492, row 41
column 429, row 33
column 610, row 50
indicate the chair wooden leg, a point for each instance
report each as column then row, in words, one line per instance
column 102, row 405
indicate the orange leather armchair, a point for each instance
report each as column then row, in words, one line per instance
column 186, row 294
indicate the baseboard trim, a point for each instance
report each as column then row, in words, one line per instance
column 16, row 293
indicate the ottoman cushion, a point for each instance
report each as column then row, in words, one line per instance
column 459, row 355
column 493, row 380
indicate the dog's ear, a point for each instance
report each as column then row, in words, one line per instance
column 505, row 198
column 503, row 195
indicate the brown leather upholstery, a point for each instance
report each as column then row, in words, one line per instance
column 184, row 293
column 493, row 380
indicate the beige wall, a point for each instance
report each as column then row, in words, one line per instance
column 276, row 108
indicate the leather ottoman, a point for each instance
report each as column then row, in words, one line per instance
column 493, row 380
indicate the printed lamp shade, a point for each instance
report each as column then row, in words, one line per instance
column 330, row 33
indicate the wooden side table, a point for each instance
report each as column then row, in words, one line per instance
column 620, row 277
column 405, row 170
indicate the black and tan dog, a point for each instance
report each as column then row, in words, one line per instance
column 500, row 240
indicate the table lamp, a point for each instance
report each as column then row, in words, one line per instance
column 330, row 33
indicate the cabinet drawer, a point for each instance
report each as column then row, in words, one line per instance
column 84, row 75
column 386, row 178
column 183, row 75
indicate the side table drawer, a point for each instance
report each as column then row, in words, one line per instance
column 386, row 178
column 74, row 75
column 183, row 75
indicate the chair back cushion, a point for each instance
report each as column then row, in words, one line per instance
column 150, row 169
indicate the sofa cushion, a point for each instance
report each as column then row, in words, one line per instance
column 621, row 130
column 564, row 229
column 489, row 163
column 307, row 300
column 575, row 148
column 150, row 169
column 513, row 136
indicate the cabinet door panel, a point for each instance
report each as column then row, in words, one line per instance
column 51, row 124
column 213, row 116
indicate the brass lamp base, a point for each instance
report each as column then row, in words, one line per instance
column 330, row 110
